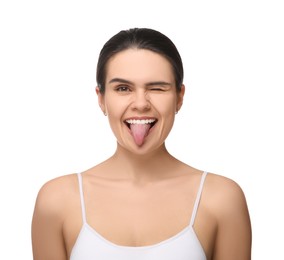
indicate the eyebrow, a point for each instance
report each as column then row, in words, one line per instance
column 119, row 80
column 154, row 83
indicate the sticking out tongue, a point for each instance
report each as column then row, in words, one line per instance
column 139, row 132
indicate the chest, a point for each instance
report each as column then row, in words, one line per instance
column 182, row 246
column 135, row 217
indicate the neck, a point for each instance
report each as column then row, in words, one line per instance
column 143, row 168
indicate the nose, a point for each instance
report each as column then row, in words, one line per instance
column 141, row 101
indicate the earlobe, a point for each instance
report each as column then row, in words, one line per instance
column 101, row 100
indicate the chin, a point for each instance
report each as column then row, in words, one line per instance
column 145, row 149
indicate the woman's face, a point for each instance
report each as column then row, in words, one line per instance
column 140, row 99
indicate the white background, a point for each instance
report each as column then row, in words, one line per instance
column 231, row 122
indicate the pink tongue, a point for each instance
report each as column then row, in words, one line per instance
column 139, row 132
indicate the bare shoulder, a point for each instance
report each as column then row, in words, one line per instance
column 226, row 202
column 223, row 184
column 224, row 194
column 54, row 194
column 54, row 201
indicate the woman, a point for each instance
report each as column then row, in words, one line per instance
column 141, row 203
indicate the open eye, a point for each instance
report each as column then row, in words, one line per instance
column 122, row 88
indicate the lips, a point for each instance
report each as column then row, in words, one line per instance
column 151, row 121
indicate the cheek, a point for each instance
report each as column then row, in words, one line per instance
column 115, row 109
column 166, row 104
column 111, row 105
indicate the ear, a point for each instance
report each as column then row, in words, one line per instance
column 180, row 96
column 101, row 100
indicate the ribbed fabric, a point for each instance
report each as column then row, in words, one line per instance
column 90, row 245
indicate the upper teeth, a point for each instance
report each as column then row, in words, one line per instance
column 140, row 122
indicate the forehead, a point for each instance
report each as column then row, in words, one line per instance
column 139, row 65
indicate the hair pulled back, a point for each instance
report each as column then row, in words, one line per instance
column 140, row 38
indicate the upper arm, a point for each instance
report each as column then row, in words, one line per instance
column 233, row 238
column 47, row 236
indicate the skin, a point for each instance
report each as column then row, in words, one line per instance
column 149, row 196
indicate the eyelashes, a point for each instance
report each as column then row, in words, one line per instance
column 124, row 88
column 157, row 89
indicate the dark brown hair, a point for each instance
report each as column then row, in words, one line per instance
column 140, row 38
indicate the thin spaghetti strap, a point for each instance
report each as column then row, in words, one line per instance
column 82, row 197
column 198, row 197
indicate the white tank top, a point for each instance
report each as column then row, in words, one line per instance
column 90, row 245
